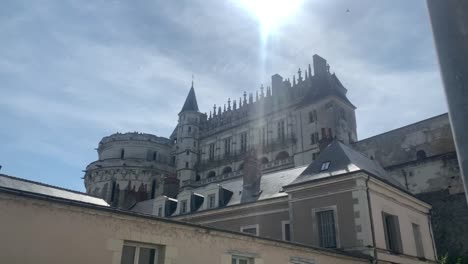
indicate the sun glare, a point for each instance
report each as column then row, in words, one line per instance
column 271, row 13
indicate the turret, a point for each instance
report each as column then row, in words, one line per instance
column 187, row 139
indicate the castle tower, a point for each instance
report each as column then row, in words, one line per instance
column 188, row 131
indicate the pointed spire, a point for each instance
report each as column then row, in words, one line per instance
column 219, row 110
column 224, row 108
column 191, row 101
column 250, row 98
column 299, row 75
column 229, row 104
column 214, row 110
column 261, row 91
column 310, row 71
column 245, row 98
column 294, row 80
column 210, row 114
column 240, row 102
column 234, row 105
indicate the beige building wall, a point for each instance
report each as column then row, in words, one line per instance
column 39, row 231
column 409, row 210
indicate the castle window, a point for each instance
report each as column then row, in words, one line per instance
column 211, row 201
column 227, row 146
column 187, row 152
column 211, row 174
column 189, row 129
column 113, row 191
column 227, row 170
column 420, row 155
column 183, row 207
column 326, row 228
column 122, row 154
column 155, row 155
column 418, row 240
column 392, row 232
column 286, row 228
column 325, row 166
column 281, row 134
column 211, row 153
column 243, row 147
column 133, row 253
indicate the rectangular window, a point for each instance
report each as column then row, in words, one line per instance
column 326, row 229
column 281, row 134
column 160, row 211
column 243, row 146
column 418, row 240
column 252, row 229
column 392, row 232
column 264, row 136
column 312, row 139
column 212, row 151
column 286, row 230
column 211, row 201
column 241, row 260
column 227, row 146
column 311, row 117
column 139, row 254
column 186, row 164
column 324, row 133
column 183, row 207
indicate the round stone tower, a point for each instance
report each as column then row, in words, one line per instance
column 132, row 167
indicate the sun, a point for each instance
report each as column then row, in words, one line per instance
column 271, row 13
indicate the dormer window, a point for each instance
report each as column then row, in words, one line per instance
column 325, row 166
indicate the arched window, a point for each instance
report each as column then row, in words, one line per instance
column 227, row 170
column 122, row 154
column 211, row 174
column 420, row 154
column 264, row 160
column 282, row 155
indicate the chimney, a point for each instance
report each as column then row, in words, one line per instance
column 251, row 177
column 276, row 84
column 320, row 66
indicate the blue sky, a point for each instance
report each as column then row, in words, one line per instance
column 72, row 72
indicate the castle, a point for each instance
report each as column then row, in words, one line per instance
column 287, row 164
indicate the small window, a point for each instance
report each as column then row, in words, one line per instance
column 187, row 152
column 189, row 129
column 392, row 232
column 286, row 228
column 325, row 166
column 420, row 155
column 155, row 155
column 122, row 153
column 311, row 117
column 197, row 177
column 326, row 228
column 186, row 164
column 418, row 240
column 211, row 201
column 241, row 260
column 183, row 207
column 139, row 254
column 252, row 229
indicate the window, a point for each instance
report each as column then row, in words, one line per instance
column 420, row 155
column 286, row 228
column 186, row 164
column 187, row 152
column 418, row 240
column 183, row 207
column 264, row 136
column 251, row 229
column 314, row 138
column 155, row 155
column 160, row 211
column 211, row 152
column 281, row 134
column 227, row 146
column 243, row 146
column 211, row 201
column 325, row 166
column 311, row 117
column 326, row 228
column 315, row 155
column 324, row 133
column 122, row 153
column 189, row 129
column 153, row 189
column 241, row 260
column 392, row 232
column 139, row 254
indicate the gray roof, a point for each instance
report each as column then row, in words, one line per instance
column 44, row 189
column 343, row 159
column 191, row 101
column 143, row 207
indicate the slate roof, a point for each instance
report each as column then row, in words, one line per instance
column 191, row 102
column 343, row 159
column 143, row 207
column 10, row 182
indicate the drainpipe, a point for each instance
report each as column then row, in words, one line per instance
column 371, row 219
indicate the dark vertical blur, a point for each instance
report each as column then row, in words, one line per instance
column 449, row 20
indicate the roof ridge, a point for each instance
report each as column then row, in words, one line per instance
column 47, row 185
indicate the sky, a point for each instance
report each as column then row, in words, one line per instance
column 72, row 72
